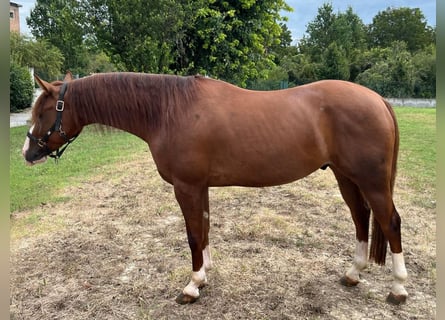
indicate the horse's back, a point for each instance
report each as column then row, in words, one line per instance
column 243, row 137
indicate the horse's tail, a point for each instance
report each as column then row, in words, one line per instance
column 379, row 243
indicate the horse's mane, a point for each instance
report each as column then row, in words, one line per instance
column 126, row 97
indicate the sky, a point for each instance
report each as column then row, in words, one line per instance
column 306, row 11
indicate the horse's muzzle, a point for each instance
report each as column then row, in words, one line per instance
column 36, row 157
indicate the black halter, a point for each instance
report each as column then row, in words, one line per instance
column 56, row 127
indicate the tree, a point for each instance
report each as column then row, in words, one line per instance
column 424, row 64
column 62, row 24
column 336, row 46
column 351, row 32
column 334, row 65
column 233, row 40
column 392, row 75
column 281, row 48
column 137, row 35
column 352, row 36
column 300, row 68
column 99, row 62
column 401, row 24
column 46, row 59
column 334, row 41
column 320, row 33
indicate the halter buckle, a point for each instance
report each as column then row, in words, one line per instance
column 41, row 143
column 60, row 105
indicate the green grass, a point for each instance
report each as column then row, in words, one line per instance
column 31, row 186
column 417, row 157
column 87, row 156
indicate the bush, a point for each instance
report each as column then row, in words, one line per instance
column 21, row 88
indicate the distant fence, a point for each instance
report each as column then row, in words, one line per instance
column 412, row 102
column 397, row 102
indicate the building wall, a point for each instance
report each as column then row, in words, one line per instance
column 14, row 17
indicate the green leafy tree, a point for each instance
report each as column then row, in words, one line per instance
column 401, row 24
column 336, row 46
column 351, row 32
column 99, row 62
column 45, row 58
column 62, row 23
column 424, row 64
column 232, row 40
column 137, row 35
column 392, row 75
column 319, row 33
column 353, row 39
column 335, row 64
column 282, row 47
column 300, row 68
column 334, row 42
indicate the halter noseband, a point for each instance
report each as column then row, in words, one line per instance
column 56, row 127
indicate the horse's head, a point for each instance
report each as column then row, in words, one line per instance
column 52, row 123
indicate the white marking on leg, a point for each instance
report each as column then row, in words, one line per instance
column 207, row 258
column 400, row 274
column 198, row 279
column 360, row 261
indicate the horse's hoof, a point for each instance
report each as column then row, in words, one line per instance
column 348, row 282
column 185, row 299
column 396, row 299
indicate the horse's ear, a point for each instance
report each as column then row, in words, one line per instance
column 68, row 76
column 45, row 86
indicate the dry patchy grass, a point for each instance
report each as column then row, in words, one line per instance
column 118, row 250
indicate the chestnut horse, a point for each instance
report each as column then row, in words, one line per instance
column 207, row 133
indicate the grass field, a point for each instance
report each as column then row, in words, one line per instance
column 31, row 186
column 418, row 145
column 100, row 236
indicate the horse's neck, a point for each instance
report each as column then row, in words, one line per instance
column 116, row 116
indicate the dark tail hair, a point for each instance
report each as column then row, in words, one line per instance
column 379, row 243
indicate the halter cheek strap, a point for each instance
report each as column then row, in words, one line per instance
column 56, row 127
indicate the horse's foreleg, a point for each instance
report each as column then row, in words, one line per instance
column 206, row 227
column 360, row 215
column 191, row 199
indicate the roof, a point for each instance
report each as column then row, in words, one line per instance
column 15, row 4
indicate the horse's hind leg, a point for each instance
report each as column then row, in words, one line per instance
column 387, row 222
column 360, row 215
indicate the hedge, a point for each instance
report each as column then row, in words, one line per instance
column 21, row 88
